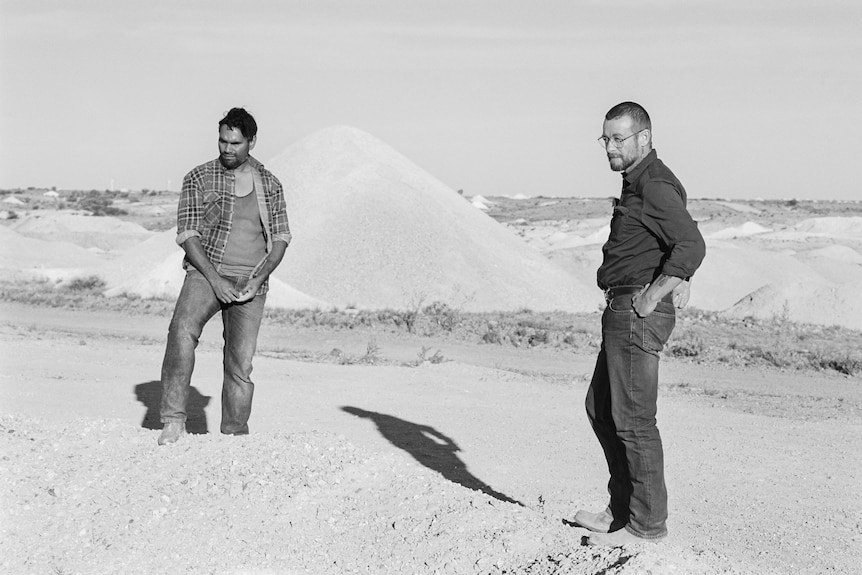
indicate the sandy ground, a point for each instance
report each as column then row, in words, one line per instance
column 473, row 465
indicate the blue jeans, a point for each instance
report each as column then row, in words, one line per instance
column 196, row 305
column 621, row 406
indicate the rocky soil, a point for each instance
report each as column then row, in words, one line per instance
column 474, row 465
column 97, row 497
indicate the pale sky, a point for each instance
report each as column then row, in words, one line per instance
column 749, row 99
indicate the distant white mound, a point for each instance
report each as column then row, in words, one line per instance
column 746, row 229
column 734, row 269
column 102, row 232
column 151, row 269
column 520, row 197
column 373, row 230
column 283, row 295
column 32, row 257
column 804, row 302
column 840, row 254
column 832, row 227
column 482, row 203
column 563, row 241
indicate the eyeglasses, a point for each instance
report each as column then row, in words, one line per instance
column 616, row 140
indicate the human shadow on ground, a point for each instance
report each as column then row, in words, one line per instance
column 150, row 394
column 430, row 448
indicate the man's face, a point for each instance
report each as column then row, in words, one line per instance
column 233, row 147
column 630, row 152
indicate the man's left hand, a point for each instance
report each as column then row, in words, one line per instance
column 250, row 290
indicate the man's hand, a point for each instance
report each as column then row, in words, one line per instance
column 642, row 304
column 224, row 290
column 250, row 290
column 645, row 301
column 681, row 293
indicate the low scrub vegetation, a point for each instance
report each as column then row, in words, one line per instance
column 700, row 337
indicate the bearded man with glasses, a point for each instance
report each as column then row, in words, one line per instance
column 653, row 249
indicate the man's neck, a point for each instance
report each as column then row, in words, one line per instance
column 634, row 166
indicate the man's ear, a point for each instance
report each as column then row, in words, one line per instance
column 645, row 137
column 252, row 142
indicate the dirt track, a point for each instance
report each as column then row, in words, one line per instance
column 473, row 465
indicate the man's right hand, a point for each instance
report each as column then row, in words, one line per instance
column 224, row 290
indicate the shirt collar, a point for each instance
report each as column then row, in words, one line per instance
column 629, row 177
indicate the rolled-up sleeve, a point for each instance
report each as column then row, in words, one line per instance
column 666, row 216
column 190, row 208
column 280, row 225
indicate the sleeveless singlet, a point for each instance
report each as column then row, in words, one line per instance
column 246, row 245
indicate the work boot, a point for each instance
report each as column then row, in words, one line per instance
column 595, row 522
column 172, row 432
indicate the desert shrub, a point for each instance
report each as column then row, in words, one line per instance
column 406, row 318
column 443, row 316
column 844, row 364
column 492, row 334
column 538, row 337
column 372, row 353
column 684, row 350
column 99, row 205
column 88, row 283
column 436, row 358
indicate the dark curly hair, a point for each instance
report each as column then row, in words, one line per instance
column 240, row 119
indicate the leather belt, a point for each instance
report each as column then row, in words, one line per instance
column 615, row 292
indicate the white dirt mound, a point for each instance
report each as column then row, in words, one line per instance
column 28, row 257
column 746, row 229
column 151, row 269
column 811, row 301
column 100, row 232
column 840, row 254
column 831, row 227
column 373, row 230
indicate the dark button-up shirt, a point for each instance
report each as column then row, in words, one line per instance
column 652, row 232
column 206, row 210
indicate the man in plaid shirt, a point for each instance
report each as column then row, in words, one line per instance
column 232, row 224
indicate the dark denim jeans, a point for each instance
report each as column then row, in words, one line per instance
column 196, row 305
column 621, row 406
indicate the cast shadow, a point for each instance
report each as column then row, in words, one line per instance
column 430, row 448
column 150, row 394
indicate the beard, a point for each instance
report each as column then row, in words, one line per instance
column 620, row 163
column 229, row 162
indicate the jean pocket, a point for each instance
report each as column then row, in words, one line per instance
column 656, row 328
column 621, row 305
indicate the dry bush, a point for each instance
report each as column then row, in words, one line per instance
column 700, row 337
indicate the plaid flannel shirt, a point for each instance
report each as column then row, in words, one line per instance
column 206, row 210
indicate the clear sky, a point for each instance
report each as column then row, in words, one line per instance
column 749, row 99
